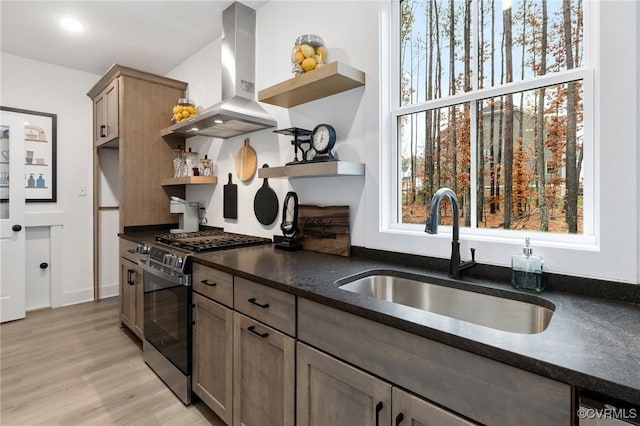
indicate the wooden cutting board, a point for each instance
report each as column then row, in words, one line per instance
column 230, row 200
column 265, row 203
column 324, row 229
column 246, row 162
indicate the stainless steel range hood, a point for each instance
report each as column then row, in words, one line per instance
column 238, row 112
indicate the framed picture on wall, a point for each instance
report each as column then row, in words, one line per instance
column 38, row 154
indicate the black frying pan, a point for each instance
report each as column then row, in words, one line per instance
column 265, row 203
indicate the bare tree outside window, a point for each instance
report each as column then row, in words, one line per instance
column 528, row 142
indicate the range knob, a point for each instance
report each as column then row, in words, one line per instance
column 142, row 249
column 166, row 259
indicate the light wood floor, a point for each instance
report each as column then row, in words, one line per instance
column 76, row 366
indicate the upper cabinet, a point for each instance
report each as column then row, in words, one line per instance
column 129, row 108
column 105, row 110
column 326, row 81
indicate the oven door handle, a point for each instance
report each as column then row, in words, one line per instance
column 173, row 279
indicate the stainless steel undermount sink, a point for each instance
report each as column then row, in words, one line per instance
column 495, row 312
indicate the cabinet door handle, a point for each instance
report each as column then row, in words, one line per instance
column 209, row 283
column 378, row 409
column 399, row 418
column 130, row 276
column 252, row 329
column 261, row 305
column 102, row 129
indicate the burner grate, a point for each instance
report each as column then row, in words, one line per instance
column 210, row 240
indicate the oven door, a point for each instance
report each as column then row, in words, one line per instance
column 167, row 315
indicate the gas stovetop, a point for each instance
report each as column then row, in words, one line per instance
column 210, row 240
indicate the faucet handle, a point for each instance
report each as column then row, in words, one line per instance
column 473, row 254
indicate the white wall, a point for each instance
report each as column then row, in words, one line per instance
column 38, row 281
column 354, row 33
column 348, row 36
column 38, row 86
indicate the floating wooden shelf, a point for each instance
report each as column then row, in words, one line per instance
column 166, row 132
column 326, row 81
column 112, row 144
column 324, row 169
column 190, row 180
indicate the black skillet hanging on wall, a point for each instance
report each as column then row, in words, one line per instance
column 265, row 203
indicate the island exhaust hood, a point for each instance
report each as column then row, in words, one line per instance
column 238, row 112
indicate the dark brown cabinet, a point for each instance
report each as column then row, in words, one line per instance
column 243, row 359
column 131, row 289
column 213, row 355
column 264, row 374
column 331, row 392
column 130, row 156
column 105, row 115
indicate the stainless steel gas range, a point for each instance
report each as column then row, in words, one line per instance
column 167, row 300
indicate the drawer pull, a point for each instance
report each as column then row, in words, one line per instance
column 252, row 329
column 261, row 305
column 210, row 284
column 378, row 409
column 399, row 418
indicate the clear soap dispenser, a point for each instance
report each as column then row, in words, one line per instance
column 526, row 270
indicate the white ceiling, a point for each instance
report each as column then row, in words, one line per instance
column 153, row 36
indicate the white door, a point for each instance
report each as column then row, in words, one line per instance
column 12, row 203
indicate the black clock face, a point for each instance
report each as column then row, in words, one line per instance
column 323, row 138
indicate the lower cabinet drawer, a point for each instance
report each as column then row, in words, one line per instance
column 128, row 250
column 478, row 388
column 268, row 305
column 214, row 284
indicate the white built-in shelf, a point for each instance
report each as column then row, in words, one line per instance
column 320, row 169
column 326, row 81
column 190, row 180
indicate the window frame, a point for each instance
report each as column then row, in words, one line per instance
column 391, row 213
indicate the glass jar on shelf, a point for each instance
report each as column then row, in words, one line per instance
column 309, row 53
column 178, row 162
column 184, row 108
column 190, row 163
column 206, row 166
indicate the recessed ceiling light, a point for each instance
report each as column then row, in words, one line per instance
column 72, row 24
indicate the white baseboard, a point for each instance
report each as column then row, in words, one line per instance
column 75, row 297
column 109, row 290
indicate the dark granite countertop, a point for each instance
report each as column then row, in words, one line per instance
column 591, row 343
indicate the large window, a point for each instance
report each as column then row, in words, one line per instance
column 490, row 102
